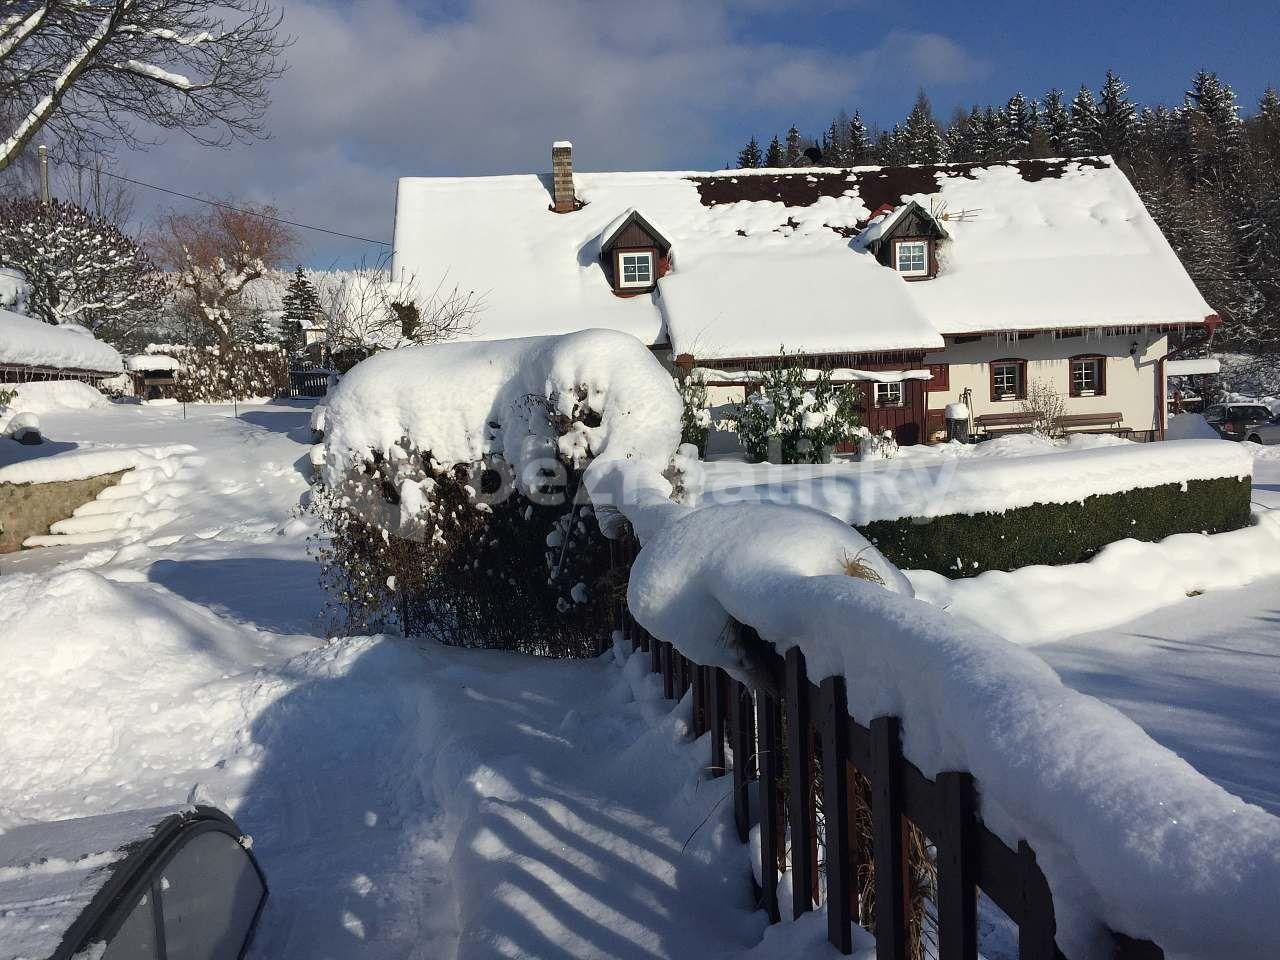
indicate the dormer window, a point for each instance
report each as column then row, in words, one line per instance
column 912, row 257
column 635, row 255
column 904, row 239
column 637, row 269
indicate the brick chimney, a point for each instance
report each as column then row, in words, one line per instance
column 562, row 196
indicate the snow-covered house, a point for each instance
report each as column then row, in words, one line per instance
column 32, row 350
column 928, row 284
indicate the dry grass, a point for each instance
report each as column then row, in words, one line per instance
column 858, row 568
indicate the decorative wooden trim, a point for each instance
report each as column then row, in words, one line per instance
column 1097, row 358
column 1022, row 379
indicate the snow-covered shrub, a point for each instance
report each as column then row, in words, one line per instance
column 967, row 544
column 796, row 419
column 695, row 417
column 452, row 486
column 245, row 371
column 871, row 446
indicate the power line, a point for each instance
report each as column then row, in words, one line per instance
column 225, row 206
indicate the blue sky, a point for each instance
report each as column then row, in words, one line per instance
column 379, row 89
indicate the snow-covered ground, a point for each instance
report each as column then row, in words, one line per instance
column 406, row 800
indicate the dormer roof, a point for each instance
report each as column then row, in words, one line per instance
column 890, row 221
column 630, row 229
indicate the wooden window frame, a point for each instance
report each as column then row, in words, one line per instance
column 1021, row 364
column 893, row 405
column 1101, row 372
column 650, row 255
column 912, row 241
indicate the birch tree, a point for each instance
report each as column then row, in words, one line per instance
column 90, row 70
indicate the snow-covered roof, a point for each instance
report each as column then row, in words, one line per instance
column 763, row 257
column 151, row 361
column 25, row 341
column 1188, row 368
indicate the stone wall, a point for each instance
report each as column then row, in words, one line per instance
column 28, row 509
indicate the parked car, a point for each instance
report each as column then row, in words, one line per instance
column 1244, row 421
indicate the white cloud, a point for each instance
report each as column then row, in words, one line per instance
column 377, row 89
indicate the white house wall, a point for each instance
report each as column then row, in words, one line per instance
column 1130, row 384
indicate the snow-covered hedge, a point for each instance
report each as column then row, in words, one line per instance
column 966, row 544
column 452, row 481
column 210, row 375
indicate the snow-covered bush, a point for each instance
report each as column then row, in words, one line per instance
column 695, row 418
column 794, row 418
column 242, row 372
column 452, row 486
column 871, row 446
column 78, row 267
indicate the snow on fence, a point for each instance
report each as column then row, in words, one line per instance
column 1091, row 837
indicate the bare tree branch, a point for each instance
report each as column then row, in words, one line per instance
column 89, row 70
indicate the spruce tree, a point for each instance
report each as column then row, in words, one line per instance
column 1056, row 123
column 773, row 157
column 749, row 156
column 1019, row 126
column 834, row 144
column 301, row 307
column 793, row 154
column 1084, row 133
column 921, row 139
column 1213, row 124
column 1116, row 117
column 994, row 143
column 859, row 141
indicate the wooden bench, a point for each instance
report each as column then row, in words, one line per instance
column 1006, row 422
column 1094, row 423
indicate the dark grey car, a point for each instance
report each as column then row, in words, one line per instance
column 1244, row 421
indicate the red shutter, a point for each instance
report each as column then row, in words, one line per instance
column 941, row 377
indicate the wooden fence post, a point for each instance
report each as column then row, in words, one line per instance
column 800, row 799
column 886, row 817
column 717, row 680
column 743, row 749
column 833, row 720
column 655, row 652
column 957, row 868
column 668, row 678
column 1036, row 926
column 699, row 699
column 767, row 761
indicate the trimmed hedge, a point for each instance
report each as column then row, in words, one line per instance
column 964, row 545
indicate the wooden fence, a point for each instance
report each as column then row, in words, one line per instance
column 797, row 741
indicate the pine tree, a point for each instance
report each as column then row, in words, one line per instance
column 1213, row 122
column 921, row 139
column 749, row 156
column 1056, row 123
column 835, row 151
column 859, row 141
column 994, row 143
column 1020, row 125
column 301, row 307
column 1116, row 117
column 793, row 154
column 773, row 157
column 260, row 329
column 1084, row 136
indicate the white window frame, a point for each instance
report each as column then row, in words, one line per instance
column 1092, row 365
column 889, row 388
column 898, row 247
column 623, row 283
column 1018, row 386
